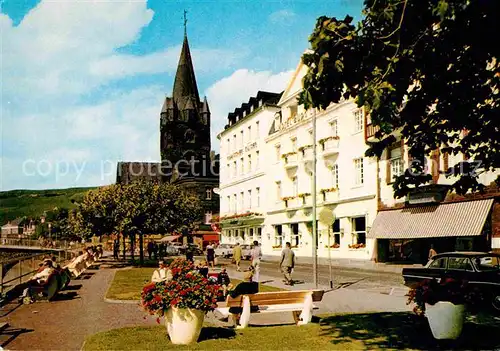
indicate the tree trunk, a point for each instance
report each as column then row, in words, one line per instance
column 132, row 245
column 124, row 246
column 141, row 249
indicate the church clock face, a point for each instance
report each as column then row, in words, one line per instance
column 189, row 136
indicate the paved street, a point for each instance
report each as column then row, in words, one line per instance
column 345, row 277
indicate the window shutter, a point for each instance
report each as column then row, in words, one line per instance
column 435, row 165
column 446, row 161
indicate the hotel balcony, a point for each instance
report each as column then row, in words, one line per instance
column 330, row 146
column 370, row 131
column 290, row 160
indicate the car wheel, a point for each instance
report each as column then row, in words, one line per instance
column 496, row 303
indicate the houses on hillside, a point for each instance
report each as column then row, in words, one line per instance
column 266, row 158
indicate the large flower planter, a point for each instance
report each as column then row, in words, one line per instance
column 184, row 325
column 445, row 319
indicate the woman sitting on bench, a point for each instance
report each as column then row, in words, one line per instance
column 38, row 280
column 246, row 287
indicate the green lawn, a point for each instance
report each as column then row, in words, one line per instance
column 32, row 203
column 128, row 283
column 336, row 332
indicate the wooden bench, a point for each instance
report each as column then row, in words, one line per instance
column 299, row 302
column 79, row 265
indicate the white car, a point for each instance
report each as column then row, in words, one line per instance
column 246, row 252
column 224, row 250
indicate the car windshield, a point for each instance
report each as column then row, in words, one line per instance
column 487, row 263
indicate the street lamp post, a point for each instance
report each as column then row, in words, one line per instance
column 314, row 224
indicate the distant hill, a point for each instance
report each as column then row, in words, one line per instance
column 32, row 203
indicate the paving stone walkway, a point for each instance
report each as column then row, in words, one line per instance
column 64, row 324
column 82, row 311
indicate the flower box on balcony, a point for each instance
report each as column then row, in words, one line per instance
column 288, row 154
column 328, row 190
column 305, row 147
column 277, row 247
column 331, row 137
column 334, row 246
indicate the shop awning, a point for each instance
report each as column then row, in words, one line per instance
column 465, row 218
column 170, row 238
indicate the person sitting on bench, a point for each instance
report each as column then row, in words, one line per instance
column 38, row 279
column 162, row 273
column 246, row 287
column 224, row 281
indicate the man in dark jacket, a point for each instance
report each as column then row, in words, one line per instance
column 246, row 287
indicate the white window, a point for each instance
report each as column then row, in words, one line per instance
column 358, row 171
column 257, row 130
column 257, row 197
column 242, row 166
column 278, row 191
column 228, row 142
column 358, row 120
column 278, row 235
column 249, row 163
column 295, row 184
column 228, row 170
column 242, row 201
column 242, row 141
column 251, row 108
column 235, row 147
column 235, row 168
column 257, row 156
column 311, row 139
column 249, row 199
column 395, row 160
column 244, row 113
column 335, row 176
column 208, row 217
column 259, row 234
column 359, row 230
column 209, row 194
column 229, row 208
column 235, row 203
column 249, row 136
column 294, row 144
column 260, row 103
column 334, row 128
column 278, row 153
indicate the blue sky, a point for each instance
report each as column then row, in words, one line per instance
column 83, row 81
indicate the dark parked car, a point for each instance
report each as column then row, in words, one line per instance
column 479, row 268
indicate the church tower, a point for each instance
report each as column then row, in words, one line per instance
column 185, row 122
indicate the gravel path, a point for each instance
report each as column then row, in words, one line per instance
column 64, row 324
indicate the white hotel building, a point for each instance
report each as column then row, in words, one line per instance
column 270, row 201
column 345, row 178
column 243, row 165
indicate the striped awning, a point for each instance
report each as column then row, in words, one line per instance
column 465, row 218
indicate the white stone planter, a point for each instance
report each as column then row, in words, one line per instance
column 184, row 325
column 445, row 319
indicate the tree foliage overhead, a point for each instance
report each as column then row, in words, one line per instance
column 140, row 207
column 426, row 68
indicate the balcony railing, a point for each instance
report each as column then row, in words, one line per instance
column 330, row 146
column 370, row 130
column 290, row 160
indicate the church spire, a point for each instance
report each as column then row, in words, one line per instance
column 185, row 87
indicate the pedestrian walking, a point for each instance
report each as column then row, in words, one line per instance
column 256, row 256
column 237, row 256
column 287, row 263
column 432, row 252
column 150, row 248
column 211, row 254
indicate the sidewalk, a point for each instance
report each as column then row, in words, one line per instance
column 365, row 265
column 337, row 301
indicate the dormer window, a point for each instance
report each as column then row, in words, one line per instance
column 293, row 111
column 260, row 103
column 244, row 113
column 251, row 109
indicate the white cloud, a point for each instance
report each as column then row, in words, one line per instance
column 282, row 16
column 230, row 92
column 53, row 62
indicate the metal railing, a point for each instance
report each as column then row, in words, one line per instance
column 19, row 270
column 46, row 244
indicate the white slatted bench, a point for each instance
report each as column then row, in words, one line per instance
column 78, row 268
column 299, row 302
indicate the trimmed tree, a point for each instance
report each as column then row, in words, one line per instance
column 426, row 68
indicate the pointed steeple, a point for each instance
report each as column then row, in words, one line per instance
column 185, row 87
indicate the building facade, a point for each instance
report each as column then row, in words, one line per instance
column 243, row 169
column 345, row 179
column 406, row 228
